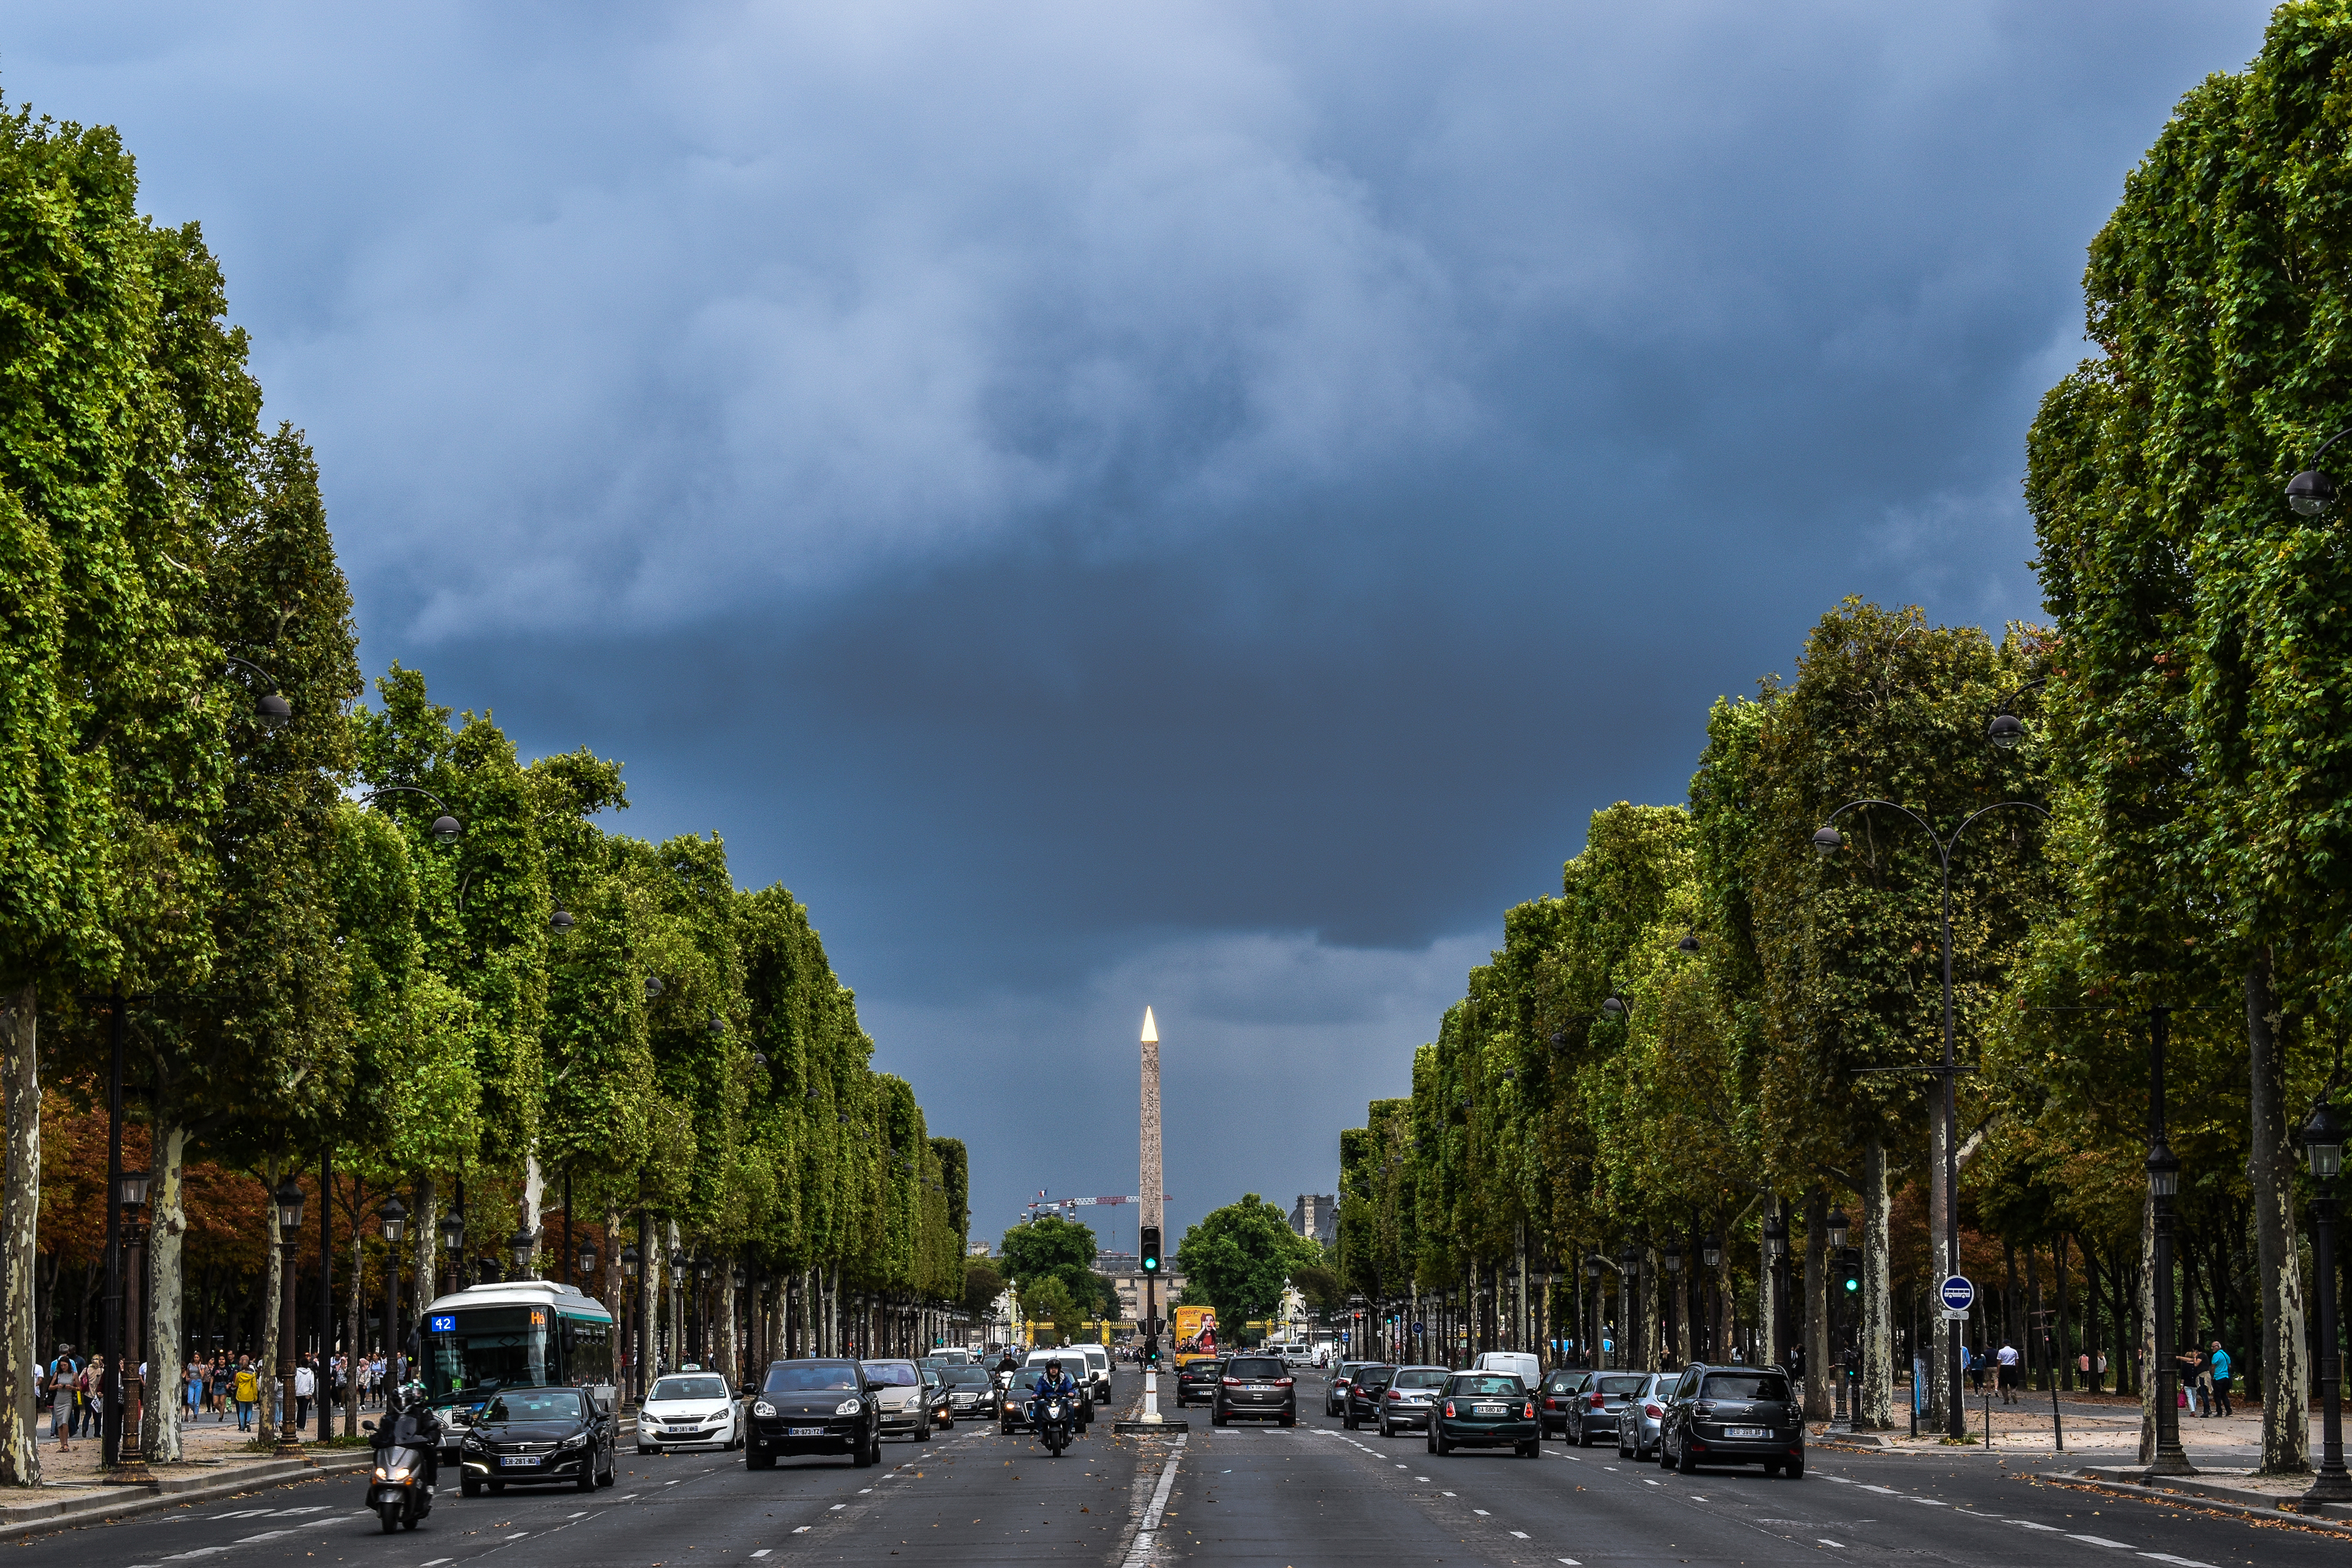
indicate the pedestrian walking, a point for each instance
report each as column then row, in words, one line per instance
column 305, row 1383
column 195, row 1384
column 1976, row 1366
column 90, row 1387
column 2005, row 1372
column 63, row 1371
column 248, row 1393
column 2218, row 1364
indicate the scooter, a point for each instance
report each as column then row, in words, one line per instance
column 399, row 1487
column 1053, row 1416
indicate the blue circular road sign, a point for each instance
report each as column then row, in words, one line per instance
column 1958, row 1294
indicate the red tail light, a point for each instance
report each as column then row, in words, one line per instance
column 1531, row 1410
column 1449, row 1410
column 1652, row 1411
column 1597, row 1404
column 1282, row 1382
column 1232, row 1382
column 1394, row 1395
column 1551, row 1404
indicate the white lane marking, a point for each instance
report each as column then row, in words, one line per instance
column 1608, row 1467
column 1482, row 1513
column 800, row 1529
column 2102, row 1540
column 2029, row 1524
column 265, row 1535
column 1696, row 1498
column 1445, row 1494
column 291, row 1513
column 582, row 1514
column 625, row 1497
column 1421, row 1477
column 1825, row 1540
column 518, row 1535
column 836, row 1507
column 240, row 1513
column 1520, row 1534
column 1146, row 1529
column 1889, row 1491
column 1404, row 1467
column 763, row 1551
column 1931, row 1502
column 1648, row 1482
column 436, row 1562
column 863, row 1491
column 2176, row 1561
column 674, row 1483
column 1839, row 1480
column 1571, row 1562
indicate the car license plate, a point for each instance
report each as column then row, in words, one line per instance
column 803, row 1431
column 520, row 1461
column 1489, row 1409
column 1748, row 1431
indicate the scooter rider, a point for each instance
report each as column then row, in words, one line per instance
column 413, row 1424
column 1052, row 1383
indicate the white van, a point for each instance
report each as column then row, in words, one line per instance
column 1521, row 1365
column 1295, row 1354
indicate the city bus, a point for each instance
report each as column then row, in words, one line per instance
column 519, row 1334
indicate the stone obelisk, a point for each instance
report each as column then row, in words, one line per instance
column 1148, row 1180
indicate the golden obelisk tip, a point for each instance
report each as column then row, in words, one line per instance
column 1150, row 1029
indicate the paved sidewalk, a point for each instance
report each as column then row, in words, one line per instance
column 2100, row 1428
column 207, row 1444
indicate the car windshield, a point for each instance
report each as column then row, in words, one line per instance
column 1254, row 1366
column 1375, row 1377
column 812, row 1376
column 1622, row 1387
column 1769, row 1386
column 534, row 1405
column 1565, row 1382
column 688, row 1388
column 1485, row 1383
column 892, row 1374
column 1421, row 1377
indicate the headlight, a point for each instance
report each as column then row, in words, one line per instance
column 472, row 1440
column 761, row 1407
column 577, row 1439
column 848, row 1407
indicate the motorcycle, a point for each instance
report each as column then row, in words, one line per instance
column 400, row 1488
column 1053, row 1418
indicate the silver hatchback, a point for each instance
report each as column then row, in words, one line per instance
column 1637, row 1424
column 1598, row 1405
column 1410, row 1396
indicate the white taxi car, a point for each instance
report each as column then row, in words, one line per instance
column 690, row 1409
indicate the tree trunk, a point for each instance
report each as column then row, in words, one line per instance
column 2144, row 1330
column 2286, row 1423
column 274, row 1275
column 1819, row 1376
column 166, row 1295
column 351, row 1311
column 20, row 1215
column 1875, row 1398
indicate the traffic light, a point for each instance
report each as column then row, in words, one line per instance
column 1849, row 1270
column 1151, row 1249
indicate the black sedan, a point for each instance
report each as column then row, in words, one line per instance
column 1363, row 1401
column 537, row 1437
column 815, row 1408
column 1197, row 1380
column 1256, row 1386
column 1732, row 1415
column 1485, row 1410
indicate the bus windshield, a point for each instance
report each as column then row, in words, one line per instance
column 486, row 1347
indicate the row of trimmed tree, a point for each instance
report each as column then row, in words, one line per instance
column 2183, row 721
column 371, row 936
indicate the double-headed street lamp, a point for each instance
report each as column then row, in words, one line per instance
column 1827, row 842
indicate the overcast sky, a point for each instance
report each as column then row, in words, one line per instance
column 1178, row 504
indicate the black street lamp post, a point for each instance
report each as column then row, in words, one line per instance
column 2163, row 1181
column 1827, row 842
column 1843, row 1421
column 288, row 1198
column 632, row 1311
column 2323, row 1144
column 393, row 1215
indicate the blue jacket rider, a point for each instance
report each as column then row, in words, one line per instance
column 1054, row 1384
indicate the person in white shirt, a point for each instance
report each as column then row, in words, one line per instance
column 2006, row 1358
column 305, row 1383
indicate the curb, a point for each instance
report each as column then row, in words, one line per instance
column 2279, row 1512
column 108, row 1503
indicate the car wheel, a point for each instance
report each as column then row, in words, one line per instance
column 1794, row 1469
column 468, row 1486
column 923, row 1433
column 868, row 1453
column 1531, row 1449
column 1349, row 1418
column 642, row 1450
column 1216, row 1415
column 1684, row 1464
column 1437, row 1443
column 1386, row 1430
column 1620, row 1447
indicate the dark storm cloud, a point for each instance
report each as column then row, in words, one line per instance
column 1189, row 505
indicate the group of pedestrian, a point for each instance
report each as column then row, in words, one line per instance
column 2205, row 1380
column 71, row 1386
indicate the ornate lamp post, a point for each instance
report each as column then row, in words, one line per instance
column 393, row 1215
column 632, row 1310
column 1842, row 1420
column 2323, row 1145
column 288, row 1198
column 1710, row 1252
column 130, row 1196
column 1629, row 1269
column 2163, row 1183
column 1673, row 1298
column 1776, row 1248
column 522, row 1246
column 453, row 1242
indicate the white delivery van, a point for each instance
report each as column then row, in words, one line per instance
column 1521, row 1365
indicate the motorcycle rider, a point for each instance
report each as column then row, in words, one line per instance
column 411, row 1423
column 1053, row 1383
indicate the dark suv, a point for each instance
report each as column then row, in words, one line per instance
column 814, row 1406
column 1196, row 1380
column 1732, row 1415
column 1255, row 1385
column 1364, row 1391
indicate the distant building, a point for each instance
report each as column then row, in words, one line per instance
column 1125, row 1271
column 1316, row 1216
column 976, row 1249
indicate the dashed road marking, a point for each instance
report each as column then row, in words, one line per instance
column 2102, row 1540
column 2176, row 1561
column 763, row 1551
column 1520, row 1534
column 1825, row 1540
column 1482, row 1513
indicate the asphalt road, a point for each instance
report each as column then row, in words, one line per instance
column 1298, row 1498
